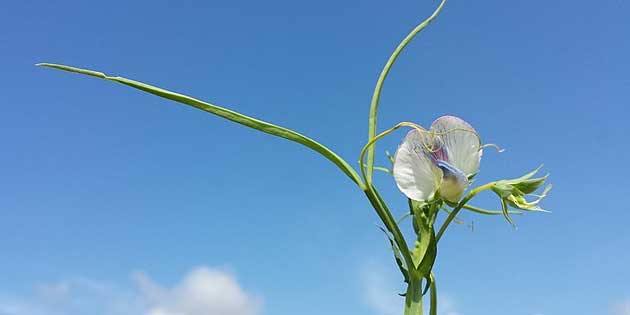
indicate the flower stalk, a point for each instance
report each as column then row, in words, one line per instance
column 432, row 167
column 460, row 206
column 413, row 297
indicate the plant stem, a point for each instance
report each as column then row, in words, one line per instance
column 381, row 80
column 488, row 212
column 413, row 298
column 433, row 301
column 459, row 207
column 390, row 223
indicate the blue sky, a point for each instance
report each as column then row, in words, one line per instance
column 110, row 196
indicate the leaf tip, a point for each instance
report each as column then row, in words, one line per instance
column 73, row 69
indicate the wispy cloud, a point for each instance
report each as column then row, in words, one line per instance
column 203, row 291
column 622, row 308
column 380, row 289
column 447, row 305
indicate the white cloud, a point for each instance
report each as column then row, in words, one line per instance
column 381, row 286
column 622, row 308
column 446, row 305
column 203, row 291
column 381, row 290
column 73, row 296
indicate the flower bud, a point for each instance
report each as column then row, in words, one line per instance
column 513, row 191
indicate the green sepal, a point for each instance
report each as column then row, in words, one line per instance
column 503, row 189
column 506, row 214
column 425, row 249
column 426, row 264
column 519, row 201
column 524, row 177
column 530, row 185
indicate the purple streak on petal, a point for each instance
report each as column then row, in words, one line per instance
column 451, row 172
column 438, row 151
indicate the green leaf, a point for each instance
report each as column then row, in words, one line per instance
column 397, row 256
column 390, row 223
column 227, row 114
column 403, row 217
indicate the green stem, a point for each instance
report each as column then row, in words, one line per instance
column 456, row 219
column 413, row 297
column 390, row 223
column 488, row 212
column 433, row 301
column 384, row 169
column 459, row 207
column 381, row 80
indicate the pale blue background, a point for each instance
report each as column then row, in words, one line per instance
column 98, row 180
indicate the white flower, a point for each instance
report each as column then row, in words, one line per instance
column 438, row 160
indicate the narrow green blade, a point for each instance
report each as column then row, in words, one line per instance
column 227, row 114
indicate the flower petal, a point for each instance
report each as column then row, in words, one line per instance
column 454, row 182
column 415, row 173
column 462, row 144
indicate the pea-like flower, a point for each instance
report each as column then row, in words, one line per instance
column 438, row 162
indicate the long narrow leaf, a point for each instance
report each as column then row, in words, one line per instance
column 227, row 114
